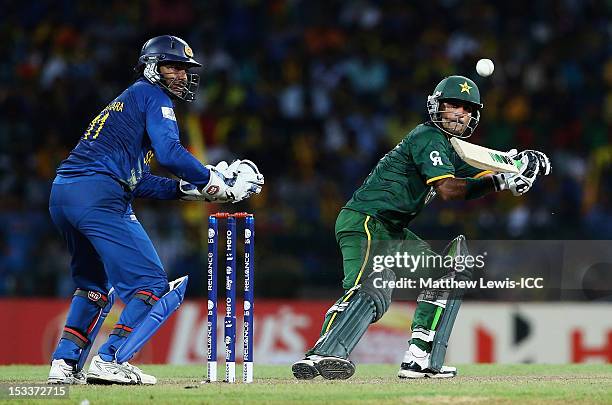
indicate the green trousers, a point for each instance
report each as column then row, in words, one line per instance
column 361, row 238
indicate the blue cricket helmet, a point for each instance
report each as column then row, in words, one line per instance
column 167, row 49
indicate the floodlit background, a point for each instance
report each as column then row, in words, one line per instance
column 315, row 92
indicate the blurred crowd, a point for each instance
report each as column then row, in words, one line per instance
column 315, row 93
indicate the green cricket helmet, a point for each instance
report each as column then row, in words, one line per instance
column 459, row 89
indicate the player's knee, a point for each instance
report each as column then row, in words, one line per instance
column 381, row 295
column 150, row 295
column 159, row 287
column 457, row 248
column 155, row 287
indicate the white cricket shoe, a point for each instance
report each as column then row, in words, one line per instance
column 64, row 373
column 416, row 365
column 111, row 372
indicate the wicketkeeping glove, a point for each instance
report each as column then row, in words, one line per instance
column 217, row 190
column 249, row 179
column 228, row 183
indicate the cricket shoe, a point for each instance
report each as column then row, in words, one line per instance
column 330, row 368
column 111, row 372
column 416, row 365
column 305, row 369
column 64, row 373
column 334, row 368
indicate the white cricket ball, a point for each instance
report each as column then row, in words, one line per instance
column 485, row 67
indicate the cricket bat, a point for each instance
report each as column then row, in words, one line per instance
column 485, row 158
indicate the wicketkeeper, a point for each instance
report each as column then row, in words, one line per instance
column 90, row 204
column 421, row 166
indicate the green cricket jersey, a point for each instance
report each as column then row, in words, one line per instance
column 400, row 185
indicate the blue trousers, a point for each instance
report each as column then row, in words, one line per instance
column 109, row 247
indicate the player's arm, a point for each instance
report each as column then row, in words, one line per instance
column 163, row 188
column 431, row 155
column 470, row 188
column 485, row 182
column 163, row 133
column 157, row 188
column 211, row 184
column 451, row 188
column 475, row 182
column 471, row 183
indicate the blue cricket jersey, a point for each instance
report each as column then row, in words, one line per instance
column 121, row 141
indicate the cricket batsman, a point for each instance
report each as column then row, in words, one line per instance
column 90, row 204
column 423, row 165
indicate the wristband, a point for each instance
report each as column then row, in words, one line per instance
column 477, row 188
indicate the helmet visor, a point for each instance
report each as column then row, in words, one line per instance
column 456, row 117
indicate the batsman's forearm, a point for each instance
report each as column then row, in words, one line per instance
column 476, row 188
column 464, row 189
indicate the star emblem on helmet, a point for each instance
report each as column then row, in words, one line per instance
column 188, row 51
column 465, row 87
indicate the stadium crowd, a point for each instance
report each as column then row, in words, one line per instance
column 315, row 93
